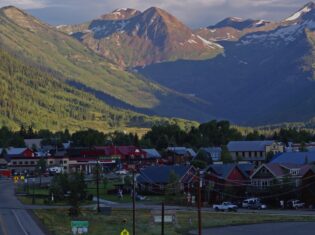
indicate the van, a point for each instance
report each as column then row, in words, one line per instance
column 246, row 203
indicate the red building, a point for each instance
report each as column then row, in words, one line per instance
column 224, row 181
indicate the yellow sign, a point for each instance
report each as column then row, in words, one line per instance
column 16, row 179
column 124, row 232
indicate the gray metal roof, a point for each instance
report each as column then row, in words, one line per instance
column 237, row 146
column 152, row 153
column 295, row 157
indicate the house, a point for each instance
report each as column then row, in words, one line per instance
column 212, row 152
column 21, row 159
column 226, row 179
column 127, row 154
column 296, row 147
column 179, row 155
column 152, row 153
column 154, row 179
column 274, row 173
column 33, row 143
column 255, row 152
column 295, row 158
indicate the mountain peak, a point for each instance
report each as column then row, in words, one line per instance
column 306, row 9
column 11, row 9
column 239, row 23
column 121, row 14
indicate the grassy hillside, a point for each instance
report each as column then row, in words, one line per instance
column 41, row 45
column 33, row 97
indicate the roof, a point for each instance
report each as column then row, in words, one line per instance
column 281, row 170
column 211, row 150
column 152, row 153
column 182, row 151
column 237, row 146
column 161, row 174
column 246, row 169
column 120, row 150
column 221, row 170
column 295, row 157
column 16, row 151
column 33, row 142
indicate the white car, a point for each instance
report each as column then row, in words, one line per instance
column 246, row 203
column 121, row 172
column 225, row 206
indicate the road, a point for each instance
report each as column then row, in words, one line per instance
column 302, row 228
column 14, row 218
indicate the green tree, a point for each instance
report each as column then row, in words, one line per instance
column 226, row 156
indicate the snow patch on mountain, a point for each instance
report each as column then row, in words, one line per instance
column 286, row 34
column 208, row 43
column 298, row 14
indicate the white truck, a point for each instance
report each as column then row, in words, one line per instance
column 225, row 206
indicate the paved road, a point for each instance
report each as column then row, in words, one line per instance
column 263, row 229
column 14, row 218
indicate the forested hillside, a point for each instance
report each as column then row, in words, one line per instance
column 33, row 97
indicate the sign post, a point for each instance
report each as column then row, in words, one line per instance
column 79, row 227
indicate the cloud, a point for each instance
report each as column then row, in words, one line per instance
column 25, row 4
column 196, row 13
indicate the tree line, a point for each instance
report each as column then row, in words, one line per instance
column 212, row 133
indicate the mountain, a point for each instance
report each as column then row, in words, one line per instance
column 42, row 46
column 233, row 28
column 130, row 38
column 264, row 77
column 239, row 23
column 31, row 96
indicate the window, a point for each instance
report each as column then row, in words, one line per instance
column 14, row 163
column 32, row 162
column 65, row 162
column 50, row 162
column 26, row 163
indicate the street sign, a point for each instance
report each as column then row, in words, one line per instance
column 79, row 227
column 124, row 232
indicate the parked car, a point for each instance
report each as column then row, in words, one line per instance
column 247, row 202
column 295, row 204
column 256, row 205
column 55, row 170
column 225, row 206
column 121, row 172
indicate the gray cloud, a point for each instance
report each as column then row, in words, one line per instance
column 195, row 13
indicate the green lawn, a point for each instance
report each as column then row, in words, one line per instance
column 58, row 222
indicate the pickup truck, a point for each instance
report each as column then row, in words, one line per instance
column 295, row 204
column 225, row 206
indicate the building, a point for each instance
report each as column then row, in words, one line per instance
column 276, row 173
column 224, row 180
column 33, row 143
column 255, row 152
column 21, row 160
column 179, row 155
column 295, row 158
column 154, row 179
column 212, row 152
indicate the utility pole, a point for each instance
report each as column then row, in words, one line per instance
column 162, row 228
column 133, row 203
column 199, row 204
column 97, row 187
column 33, row 198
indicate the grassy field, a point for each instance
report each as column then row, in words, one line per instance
column 58, row 222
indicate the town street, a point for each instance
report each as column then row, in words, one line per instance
column 14, row 218
column 262, row 229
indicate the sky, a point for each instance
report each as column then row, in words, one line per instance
column 195, row 13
